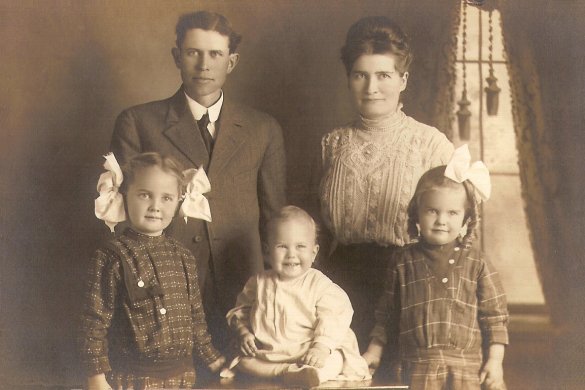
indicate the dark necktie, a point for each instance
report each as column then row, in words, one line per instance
column 207, row 138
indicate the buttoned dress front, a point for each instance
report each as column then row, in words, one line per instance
column 440, row 318
column 143, row 315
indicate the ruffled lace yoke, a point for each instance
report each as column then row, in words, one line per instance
column 371, row 168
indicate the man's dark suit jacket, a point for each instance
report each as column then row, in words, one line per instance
column 247, row 176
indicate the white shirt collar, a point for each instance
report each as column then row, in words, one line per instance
column 198, row 110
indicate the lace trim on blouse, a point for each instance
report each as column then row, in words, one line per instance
column 370, row 172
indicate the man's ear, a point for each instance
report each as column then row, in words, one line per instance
column 176, row 53
column 234, row 58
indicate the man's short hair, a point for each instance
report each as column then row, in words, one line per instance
column 209, row 21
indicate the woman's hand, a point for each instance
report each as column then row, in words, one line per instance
column 248, row 344
column 217, row 365
column 316, row 355
column 98, row 382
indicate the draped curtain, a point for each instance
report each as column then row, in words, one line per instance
column 544, row 44
column 432, row 27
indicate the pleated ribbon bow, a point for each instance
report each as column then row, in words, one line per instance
column 195, row 205
column 460, row 169
column 109, row 206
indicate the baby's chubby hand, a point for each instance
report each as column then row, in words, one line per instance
column 248, row 344
column 316, row 355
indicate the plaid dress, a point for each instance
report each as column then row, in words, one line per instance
column 440, row 305
column 143, row 320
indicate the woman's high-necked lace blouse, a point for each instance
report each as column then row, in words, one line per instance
column 371, row 168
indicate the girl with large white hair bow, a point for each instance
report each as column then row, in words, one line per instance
column 443, row 302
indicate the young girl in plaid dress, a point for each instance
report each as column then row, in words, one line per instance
column 143, row 321
column 442, row 300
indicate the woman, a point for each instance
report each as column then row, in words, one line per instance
column 372, row 165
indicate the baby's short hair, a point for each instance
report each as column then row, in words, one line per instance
column 291, row 212
column 147, row 160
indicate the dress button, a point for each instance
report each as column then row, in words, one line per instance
column 451, row 261
column 140, row 283
column 163, row 311
column 197, row 239
column 445, row 280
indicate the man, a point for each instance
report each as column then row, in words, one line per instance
column 241, row 150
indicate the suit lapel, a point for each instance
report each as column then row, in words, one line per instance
column 232, row 135
column 182, row 131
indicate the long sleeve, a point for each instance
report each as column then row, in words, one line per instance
column 492, row 306
column 334, row 314
column 272, row 174
column 387, row 314
column 202, row 346
column 439, row 150
column 238, row 318
column 102, row 289
column 125, row 139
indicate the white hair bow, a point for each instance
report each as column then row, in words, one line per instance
column 459, row 169
column 195, row 205
column 109, row 206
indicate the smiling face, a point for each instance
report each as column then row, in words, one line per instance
column 151, row 200
column 375, row 85
column 441, row 214
column 292, row 247
column 204, row 61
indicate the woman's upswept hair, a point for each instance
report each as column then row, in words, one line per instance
column 288, row 213
column 434, row 179
column 147, row 160
column 376, row 35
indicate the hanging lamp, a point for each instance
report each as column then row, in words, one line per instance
column 463, row 114
column 492, row 90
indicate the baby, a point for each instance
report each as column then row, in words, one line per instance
column 293, row 321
